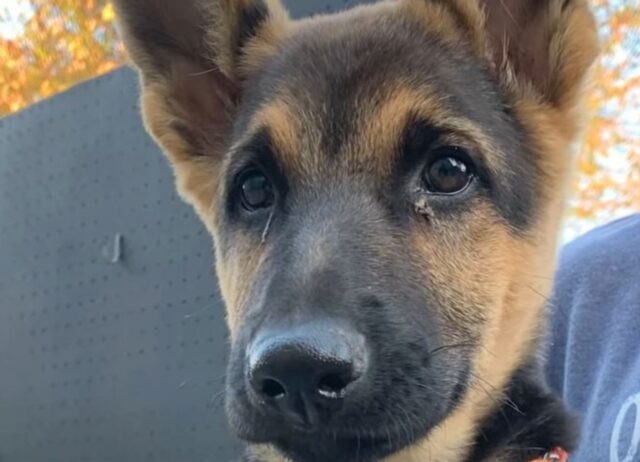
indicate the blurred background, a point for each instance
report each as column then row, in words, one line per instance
column 47, row 46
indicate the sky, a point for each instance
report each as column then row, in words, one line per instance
column 12, row 16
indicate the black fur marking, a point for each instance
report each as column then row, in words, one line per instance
column 419, row 139
column 530, row 423
column 250, row 21
column 460, row 388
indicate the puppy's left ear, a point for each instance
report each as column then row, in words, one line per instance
column 194, row 57
column 545, row 45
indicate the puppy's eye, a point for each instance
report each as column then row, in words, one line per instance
column 449, row 172
column 256, row 191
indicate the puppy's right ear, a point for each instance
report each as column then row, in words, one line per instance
column 193, row 56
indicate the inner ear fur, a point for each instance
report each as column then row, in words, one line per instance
column 547, row 46
column 193, row 57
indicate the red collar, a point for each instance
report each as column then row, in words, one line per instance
column 557, row 455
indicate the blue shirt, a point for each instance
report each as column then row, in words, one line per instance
column 594, row 356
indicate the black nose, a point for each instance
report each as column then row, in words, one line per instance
column 305, row 373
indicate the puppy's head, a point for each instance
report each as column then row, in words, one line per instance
column 384, row 188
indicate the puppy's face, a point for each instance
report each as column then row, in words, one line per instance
column 384, row 187
column 376, row 183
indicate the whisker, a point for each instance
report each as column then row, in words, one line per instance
column 498, row 396
column 453, row 346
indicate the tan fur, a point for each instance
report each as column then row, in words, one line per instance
column 233, row 272
column 282, row 122
column 196, row 177
column 381, row 126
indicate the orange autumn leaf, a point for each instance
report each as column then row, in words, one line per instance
column 62, row 42
column 609, row 159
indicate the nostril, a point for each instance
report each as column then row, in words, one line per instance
column 272, row 389
column 333, row 386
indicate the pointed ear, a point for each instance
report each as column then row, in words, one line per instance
column 547, row 45
column 192, row 56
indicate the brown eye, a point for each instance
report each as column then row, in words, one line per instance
column 256, row 191
column 449, row 172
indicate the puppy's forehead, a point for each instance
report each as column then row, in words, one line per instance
column 343, row 88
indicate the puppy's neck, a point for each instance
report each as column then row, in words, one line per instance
column 526, row 423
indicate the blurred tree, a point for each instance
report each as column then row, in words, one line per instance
column 608, row 180
column 61, row 43
column 66, row 41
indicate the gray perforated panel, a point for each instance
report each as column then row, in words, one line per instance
column 100, row 360
column 103, row 361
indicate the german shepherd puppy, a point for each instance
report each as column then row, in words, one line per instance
column 384, row 187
